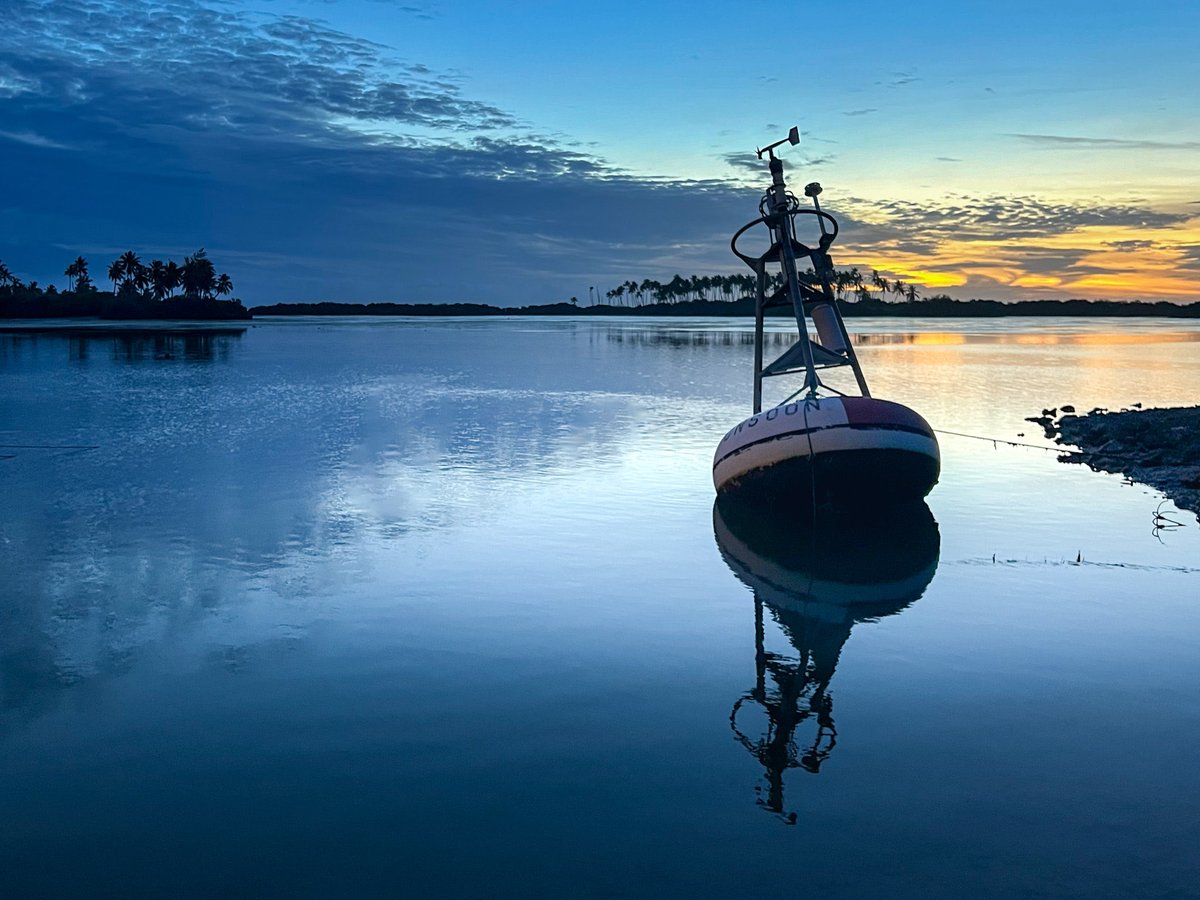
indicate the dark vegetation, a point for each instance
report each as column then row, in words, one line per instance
column 733, row 295
column 138, row 292
column 1158, row 447
column 150, row 292
column 939, row 306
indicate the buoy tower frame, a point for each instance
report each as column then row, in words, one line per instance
column 832, row 348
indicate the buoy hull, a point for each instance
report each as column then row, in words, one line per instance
column 833, row 450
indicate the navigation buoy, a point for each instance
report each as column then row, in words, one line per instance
column 819, row 445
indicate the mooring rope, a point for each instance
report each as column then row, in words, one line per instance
column 981, row 437
column 1120, row 457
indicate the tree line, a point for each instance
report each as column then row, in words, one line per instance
column 848, row 284
column 196, row 278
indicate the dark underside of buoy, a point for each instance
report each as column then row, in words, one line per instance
column 866, row 478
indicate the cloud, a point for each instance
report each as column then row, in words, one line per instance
column 757, row 168
column 900, row 78
column 14, row 83
column 1131, row 245
column 1068, row 142
column 1001, row 246
column 746, row 163
column 33, row 140
column 311, row 163
column 996, row 218
column 860, row 112
column 419, row 12
column 1189, row 257
column 203, row 67
column 1034, row 260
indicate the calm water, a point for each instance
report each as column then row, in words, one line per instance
column 444, row 608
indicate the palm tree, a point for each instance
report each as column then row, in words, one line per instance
column 6, row 275
column 912, row 294
column 77, row 271
column 224, row 285
column 134, row 274
column 158, row 280
column 198, row 275
column 899, row 287
column 83, row 280
column 646, row 287
column 856, row 281
column 115, row 273
column 841, row 281
column 173, row 277
column 880, row 282
column 130, row 261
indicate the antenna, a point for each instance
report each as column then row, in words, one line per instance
column 793, row 138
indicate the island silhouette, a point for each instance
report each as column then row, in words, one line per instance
column 139, row 291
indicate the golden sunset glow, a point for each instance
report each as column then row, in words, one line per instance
column 1091, row 262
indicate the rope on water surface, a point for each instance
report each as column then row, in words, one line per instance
column 981, row 437
column 1133, row 460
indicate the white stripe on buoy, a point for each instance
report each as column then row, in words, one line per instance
column 810, row 428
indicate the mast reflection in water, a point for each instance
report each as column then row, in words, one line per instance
column 817, row 579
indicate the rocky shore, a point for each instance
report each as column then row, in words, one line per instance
column 1157, row 447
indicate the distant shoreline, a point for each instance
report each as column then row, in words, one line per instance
column 935, row 307
column 101, row 306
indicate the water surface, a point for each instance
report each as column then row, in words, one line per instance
column 445, row 607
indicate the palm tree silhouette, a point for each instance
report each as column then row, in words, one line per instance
column 158, row 280
column 224, row 285
column 912, row 294
column 856, row 282
column 6, row 276
column 173, row 277
column 115, row 273
column 198, row 275
column 76, row 272
column 646, row 287
column 127, row 271
column 136, row 275
column 880, row 282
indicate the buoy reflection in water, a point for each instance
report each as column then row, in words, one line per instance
column 817, row 578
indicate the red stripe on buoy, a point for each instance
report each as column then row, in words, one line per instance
column 870, row 411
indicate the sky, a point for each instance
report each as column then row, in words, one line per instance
column 516, row 153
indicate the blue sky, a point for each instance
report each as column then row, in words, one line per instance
column 520, row 153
